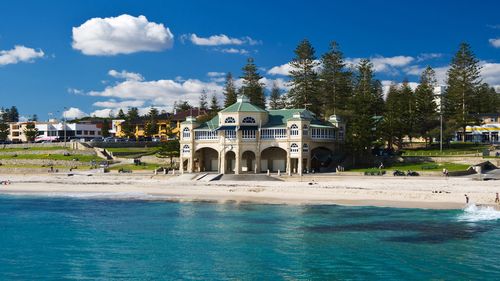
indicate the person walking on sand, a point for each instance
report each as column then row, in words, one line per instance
column 497, row 199
column 466, row 199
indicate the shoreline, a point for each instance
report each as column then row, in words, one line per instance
column 421, row 192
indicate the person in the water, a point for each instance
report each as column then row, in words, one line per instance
column 497, row 199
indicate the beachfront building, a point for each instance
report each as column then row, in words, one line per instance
column 487, row 132
column 167, row 124
column 244, row 138
column 54, row 131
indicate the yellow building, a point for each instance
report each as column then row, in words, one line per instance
column 167, row 124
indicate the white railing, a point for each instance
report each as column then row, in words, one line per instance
column 205, row 135
column 248, row 134
column 273, row 133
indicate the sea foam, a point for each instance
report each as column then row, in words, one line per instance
column 474, row 213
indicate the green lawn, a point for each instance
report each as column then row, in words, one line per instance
column 81, row 158
column 147, row 166
column 34, row 148
column 132, row 152
column 30, row 166
column 426, row 166
column 455, row 149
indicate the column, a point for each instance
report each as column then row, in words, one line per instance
column 299, row 166
column 237, row 165
column 190, row 164
column 288, row 164
column 257, row 162
column 201, row 162
column 222, row 162
column 181, row 166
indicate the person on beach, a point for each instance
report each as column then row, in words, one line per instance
column 466, row 199
column 497, row 199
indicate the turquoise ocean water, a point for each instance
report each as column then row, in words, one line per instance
column 60, row 238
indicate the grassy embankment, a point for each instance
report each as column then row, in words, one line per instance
column 79, row 159
column 132, row 152
column 454, row 149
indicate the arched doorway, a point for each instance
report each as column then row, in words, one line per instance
column 248, row 161
column 208, row 159
column 322, row 160
column 273, row 159
column 230, row 162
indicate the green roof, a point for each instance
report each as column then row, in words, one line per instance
column 243, row 105
column 212, row 124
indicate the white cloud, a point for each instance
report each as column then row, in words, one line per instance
column 124, row 34
column 388, row 65
column 233, row 51
column 428, row 56
column 19, row 54
column 104, row 112
column 75, row 91
column 159, row 92
column 495, row 42
column 119, row 104
column 218, row 40
column 74, row 113
column 126, row 75
column 215, row 74
column 491, row 74
column 283, row 69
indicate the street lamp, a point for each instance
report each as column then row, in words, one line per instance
column 64, row 124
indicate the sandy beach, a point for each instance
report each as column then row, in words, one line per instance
column 415, row 192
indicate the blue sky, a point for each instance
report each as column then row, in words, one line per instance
column 68, row 53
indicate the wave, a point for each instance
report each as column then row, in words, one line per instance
column 474, row 213
column 103, row 195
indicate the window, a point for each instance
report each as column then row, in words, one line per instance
column 248, row 134
column 305, row 148
column 294, row 148
column 341, row 133
column 305, row 130
column 186, row 133
column 15, row 127
column 294, row 130
column 248, row 120
column 91, row 133
column 185, row 149
column 229, row 120
column 230, row 134
column 79, row 132
column 85, row 132
column 322, row 133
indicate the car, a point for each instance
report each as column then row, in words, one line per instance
column 108, row 139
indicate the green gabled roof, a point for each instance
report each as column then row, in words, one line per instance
column 212, row 124
column 243, row 107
